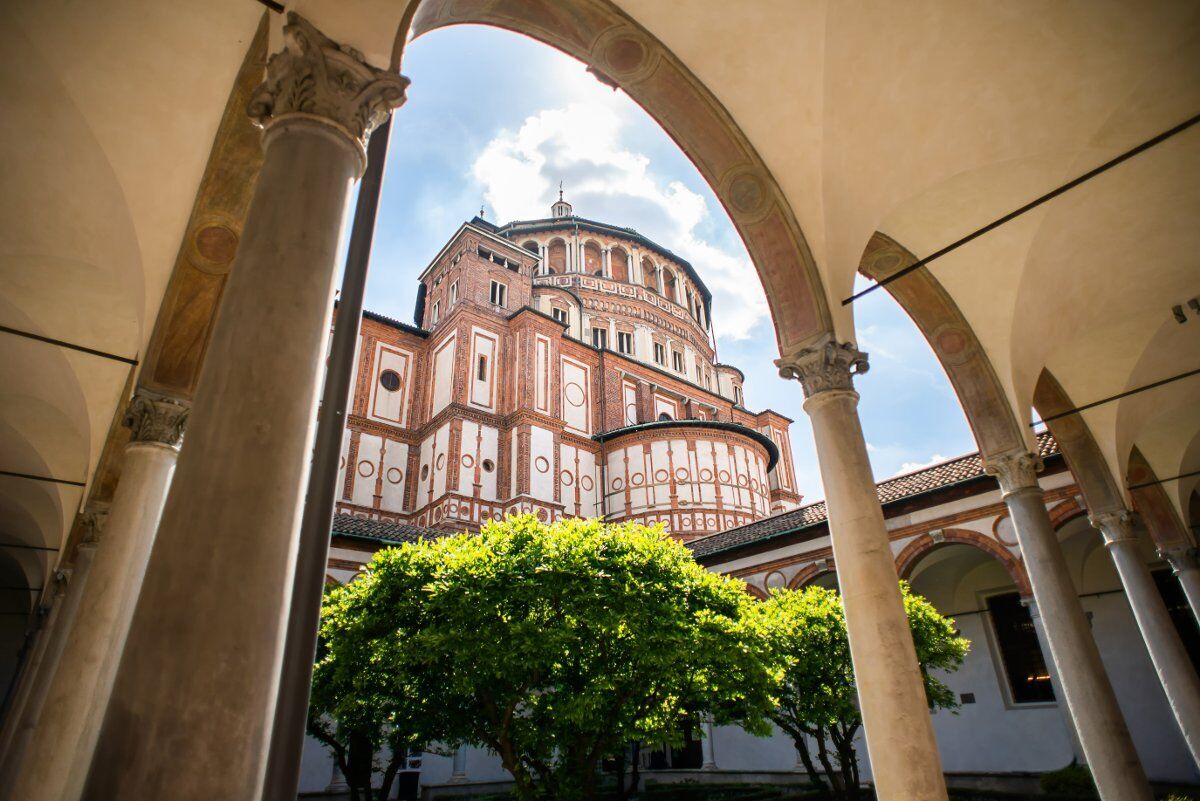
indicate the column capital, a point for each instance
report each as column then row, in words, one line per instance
column 315, row 78
column 1182, row 557
column 156, row 418
column 828, row 365
column 92, row 521
column 1014, row 471
column 1115, row 526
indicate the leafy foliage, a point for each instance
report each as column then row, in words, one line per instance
column 818, row 700
column 551, row 645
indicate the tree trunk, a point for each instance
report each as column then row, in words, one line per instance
column 389, row 774
column 835, row 778
column 806, row 758
column 635, row 768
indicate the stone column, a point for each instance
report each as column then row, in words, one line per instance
column 896, row 720
column 56, row 762
column 1171, row 662
column 710, row 755
column 543, row 260
column 606, row 262
column 1087, row 692
column 458, row 765
column 1060, row 697
column 634, row 273
column 193, row 703
column 1182, row 559
column 27, row 706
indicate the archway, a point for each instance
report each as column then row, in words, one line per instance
column 619, row 264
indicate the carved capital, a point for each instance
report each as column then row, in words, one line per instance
column 316, row 78
column 830, row 365
column 1114, row 526
column 1182, row 558
column 153, row 418
column 1014, row 471
column 92, row 521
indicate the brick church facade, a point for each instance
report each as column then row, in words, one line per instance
column 561, row 367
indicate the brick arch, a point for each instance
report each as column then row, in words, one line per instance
column 809, row 573
column 621, row 53
column 757, row 593
column 908, row 558
column 1065, row 512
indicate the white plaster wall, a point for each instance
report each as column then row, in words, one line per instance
column 576, row 396
column 479, row 443
column 443, row 375
column 395, row 463
column 541, row 444
column 365, row 469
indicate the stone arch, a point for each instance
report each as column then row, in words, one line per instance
column 1064, row 512
column 618, row 259
column 556, row 256
column 670, row 284
column 810, row 573
column 649, row 275
column 531, row 246
column 621, row 53
column 911, row 554
column 593, row 258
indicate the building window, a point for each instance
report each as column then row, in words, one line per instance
column 625, row 342
column 390, row 380
column 677, row 361
column 660, row 353
column 663, row 417
column 1024, row 665
column 453, row 292
column 437, row 311
column 562, row 315
column 600, row 337
column 499, row 294
column 481, row 370
column 737, row 395
column 488, row 465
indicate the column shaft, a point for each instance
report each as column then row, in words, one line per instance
column 1059, row 696
column 56, row 762
column 1183, row 564
column 56, row 633
column 897, row 723
column 1171, row 662
column 1088, row 694
column 192, row 706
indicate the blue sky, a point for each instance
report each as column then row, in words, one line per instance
column 494, row 119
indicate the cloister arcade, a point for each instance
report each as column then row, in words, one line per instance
column 143, row 196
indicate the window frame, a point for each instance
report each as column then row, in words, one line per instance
column 498, row 289
column 625, row 337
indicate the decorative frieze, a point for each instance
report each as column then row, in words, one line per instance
column 314, row 77
column 828, row 366
column 156, row 418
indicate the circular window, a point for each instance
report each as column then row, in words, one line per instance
column 390, row 380
column 488, row 465
column 424, row 472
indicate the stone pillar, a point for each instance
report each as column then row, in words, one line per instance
column 1182, row 559
column 192, row 707
column 633, row 270
column 904, row 755
column 1171, row 662
column 606, row 262
column 56, row 762
column 710, row 756
column 27, row 705
column 1087, row 692
column 458, row 765
column 543, row 260
column 1060, row 697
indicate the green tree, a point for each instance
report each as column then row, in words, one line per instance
column 552, row 645
column 807, row 630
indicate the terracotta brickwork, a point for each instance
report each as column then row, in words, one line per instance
column 493, row 405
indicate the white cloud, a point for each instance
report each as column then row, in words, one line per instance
column 909, row 467
column 581, row 145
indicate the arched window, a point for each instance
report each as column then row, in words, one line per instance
column 663, row 416
column 669, row 284
column 532, row 247
column 556, row 254
column 618, row 261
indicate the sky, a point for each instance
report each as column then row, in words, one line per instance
column 495, row 121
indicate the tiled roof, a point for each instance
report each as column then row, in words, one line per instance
column 385, row 531
column 939, row 476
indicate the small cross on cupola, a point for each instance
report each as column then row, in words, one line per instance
column 561, row 208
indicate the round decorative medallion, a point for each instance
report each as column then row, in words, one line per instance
column 681, row 473
column 587, row 483
column 742, row 482
column 217, row 243
column 883, row 266
column 390, row 380
column 366, row 469
column 574, row 394
column 468, row 460
column 541, row 464
column 488, row 465
column 705, row 474
column 775, row 580
column 723, row 476
column 424, row 472
column 661, row 475
column 618, row 483
column 631, row 412
column 566, row 478
column 441, row 461
column 1004, row 531
column 542, row 515
column 437, row 513
column 394, row 475
column 637, row 479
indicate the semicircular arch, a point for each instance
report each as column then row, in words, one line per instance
column 911, row 554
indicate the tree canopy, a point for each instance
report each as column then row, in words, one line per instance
column 818, row 697
column 552, row 645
